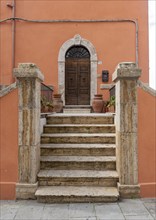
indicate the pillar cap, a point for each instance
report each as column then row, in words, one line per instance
column 126, row 70
column 28, row 70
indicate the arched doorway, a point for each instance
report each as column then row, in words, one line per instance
column 77, row 76
column 77, row 40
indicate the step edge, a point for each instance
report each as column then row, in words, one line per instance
column 51, row 159
column 57, row 146
column 103, row 174
column 78, row 135
column 41, row 191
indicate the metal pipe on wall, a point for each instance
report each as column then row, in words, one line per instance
column 13, row 34
column 81, row 21
column 13, row 7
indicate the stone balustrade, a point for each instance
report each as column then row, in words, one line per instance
column 29, row 79
column 125, row 77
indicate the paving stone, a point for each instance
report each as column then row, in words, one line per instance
column 151, row 207
column 108, row 211
column 8, row 211
column 88, row 218
column 56, row 212
column 148, row 200
column 133, row 207
column 9, row 208
column 81, row 210
column 31, row 210
column 139, row 217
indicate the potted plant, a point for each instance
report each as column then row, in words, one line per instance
column 44, row 107
column 50, row 106
column 111, row 104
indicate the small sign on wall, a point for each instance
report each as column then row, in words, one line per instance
column 105, row 75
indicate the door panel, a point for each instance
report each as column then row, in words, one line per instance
column 83, row 82
column 77, row 82
column 71, row 83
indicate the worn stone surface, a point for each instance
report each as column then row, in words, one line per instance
column 77, row 178
column 4, row 90
column 78, row 149
column 29, row 79
column 77, row 163
column 28, row 70
column 85, row 128
column 26, row 190
column 129, row 191
column 126, row 70
column 126, row 76
column 76, row 110
column 42, row 123
column 78, row 138
column 80, row 119
column 127, row 158
column 78, row 155
column 29, row 163
column 63, row 194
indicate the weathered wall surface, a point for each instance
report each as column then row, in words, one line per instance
column 8, row 145
column 147, row 143
column 40, row 43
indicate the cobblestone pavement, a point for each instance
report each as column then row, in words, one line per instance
column 129, row 209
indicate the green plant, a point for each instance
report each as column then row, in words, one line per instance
column 43, row 101
column 49, row 103
column 111, row 102
column 46, row 105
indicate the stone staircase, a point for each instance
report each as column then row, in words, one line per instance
column 78, row 162
column 81, row 109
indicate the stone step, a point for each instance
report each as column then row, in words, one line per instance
column 77, row 178
column 65, row 194
column 78, row 162
column 78, row 128
column 76, row 110
column 91, row 118
column 78, row 138
column 78, row 149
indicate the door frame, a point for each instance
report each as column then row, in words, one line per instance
column 77, row 40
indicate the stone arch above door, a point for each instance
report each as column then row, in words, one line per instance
column 77, row 40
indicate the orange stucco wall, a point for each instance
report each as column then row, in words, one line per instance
column 147, row 143
column 8, row 145
column 40, row 43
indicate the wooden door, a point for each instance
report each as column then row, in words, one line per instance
column 77, row 81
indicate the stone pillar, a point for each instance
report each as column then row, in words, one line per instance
column 29, row 80
column 125, row 77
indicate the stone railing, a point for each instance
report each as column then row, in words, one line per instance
column 126, row 77
column 29, row 79
column 146, row 88
column 6, row 90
